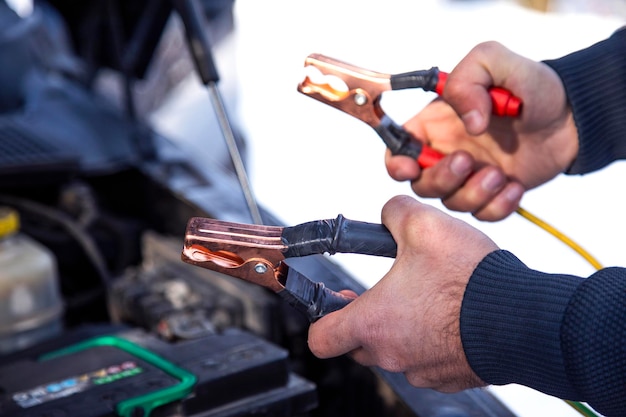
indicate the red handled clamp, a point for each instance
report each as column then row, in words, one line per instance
column 503, row 101
column 358, row 92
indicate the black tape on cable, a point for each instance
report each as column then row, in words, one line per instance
column 338, row 235
column 313, row 299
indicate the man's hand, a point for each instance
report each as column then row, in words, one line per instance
column 491, row 160
column 409, row 321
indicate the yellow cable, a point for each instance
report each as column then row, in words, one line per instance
column 553, row 231
column 581, row 408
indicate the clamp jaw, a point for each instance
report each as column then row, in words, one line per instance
column 260, row 254
column 358, row 92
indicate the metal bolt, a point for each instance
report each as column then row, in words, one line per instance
column 260, row 268
column 360, row 99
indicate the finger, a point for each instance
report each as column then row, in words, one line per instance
column 467, row 86
column 349, row 293
column 401, row 168
column 397, row 211
column 503, row 204
column 420, row 380
column 445, row 177
column 332, row 335
column 470, row 100
column 363, row 357
column 454, row 381
column 480, row 189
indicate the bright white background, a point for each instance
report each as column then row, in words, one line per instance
column 308, row 161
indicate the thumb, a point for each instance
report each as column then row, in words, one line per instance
column 467, row 88
column 469, row 97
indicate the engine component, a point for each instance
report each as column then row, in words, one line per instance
column 31, row 308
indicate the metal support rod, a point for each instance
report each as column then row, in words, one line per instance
column 192, row 14
column 233, row 150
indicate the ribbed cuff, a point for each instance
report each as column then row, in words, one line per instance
column 595, row 84
column 594, row 341
column 510, row 324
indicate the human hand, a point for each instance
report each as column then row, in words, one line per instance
column 491, row 161
column 409, row 321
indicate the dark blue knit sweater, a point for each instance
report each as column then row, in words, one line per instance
column 560, row 334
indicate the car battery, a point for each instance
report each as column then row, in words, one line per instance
column 134, row 374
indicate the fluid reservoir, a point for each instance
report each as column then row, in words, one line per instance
column 31, row 306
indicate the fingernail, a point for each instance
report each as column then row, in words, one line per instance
column 473, row 121
column 460, row 165
column 492, row 181
column 514, row 193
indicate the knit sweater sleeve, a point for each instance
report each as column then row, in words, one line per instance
column 595, row 84
column 559, row 334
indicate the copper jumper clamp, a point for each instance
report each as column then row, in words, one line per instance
column 260, row 254
column 358, row 91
